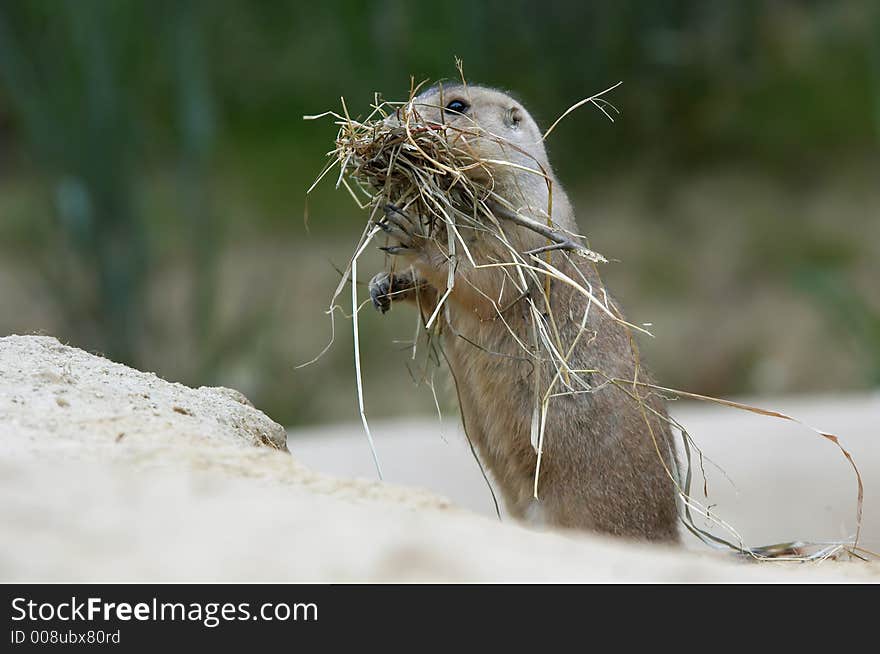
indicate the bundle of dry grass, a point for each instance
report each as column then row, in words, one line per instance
column 415, row 164
column 396, row 161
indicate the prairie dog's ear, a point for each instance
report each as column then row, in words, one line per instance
column 513, row 117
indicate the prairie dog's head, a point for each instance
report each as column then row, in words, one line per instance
column 487, row 123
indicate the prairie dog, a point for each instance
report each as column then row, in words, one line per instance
column 606, row 461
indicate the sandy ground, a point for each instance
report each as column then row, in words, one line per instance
column 772, row 480
column 109, row 474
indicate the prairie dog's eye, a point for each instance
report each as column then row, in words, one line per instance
column 457, row 107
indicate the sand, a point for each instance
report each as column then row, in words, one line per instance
column 111, row 474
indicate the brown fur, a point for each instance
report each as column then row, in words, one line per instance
column 601, row 468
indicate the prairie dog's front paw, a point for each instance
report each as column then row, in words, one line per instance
column 404, row 231
column 416, row 250
column 387, row 286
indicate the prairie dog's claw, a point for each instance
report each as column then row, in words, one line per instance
column 396, row 217
column 394, row 249
column 394, row 231
column 408, row 224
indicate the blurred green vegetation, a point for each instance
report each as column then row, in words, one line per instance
column 154, row 162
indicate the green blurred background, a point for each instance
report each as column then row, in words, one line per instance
column 154, row 163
